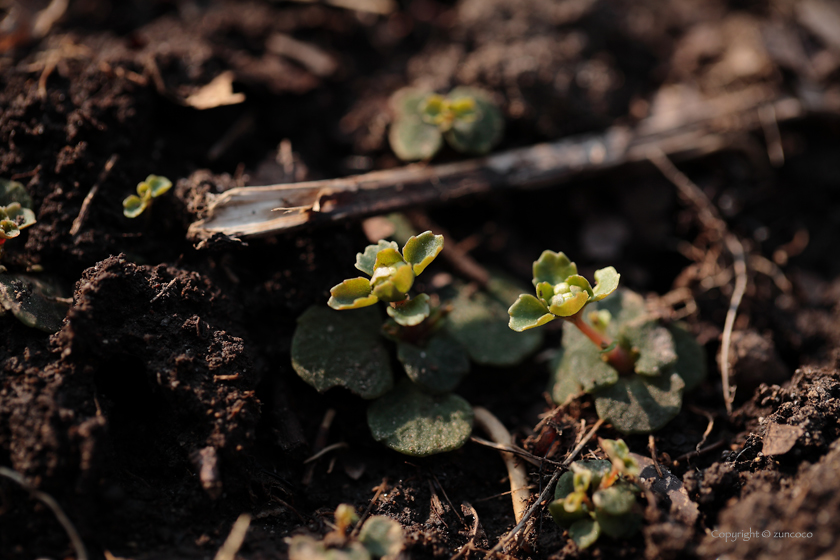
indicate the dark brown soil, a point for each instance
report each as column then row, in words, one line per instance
column 166, row 405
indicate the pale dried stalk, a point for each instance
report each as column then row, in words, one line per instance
column 519, row 491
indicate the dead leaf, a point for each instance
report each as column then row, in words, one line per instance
column 780, row 438
column 217, row 93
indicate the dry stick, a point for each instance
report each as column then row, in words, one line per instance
column 379, row 489
column 83, row 211
column 545, row 493
column 652, row 447
column 75, row 539
column 235, row 539
column 455, row 255
column 709, row 426
column 520, row 494
column 268, row 210
column 697, row 453
column 709, row 218
column 530, row 457
column 324, row 451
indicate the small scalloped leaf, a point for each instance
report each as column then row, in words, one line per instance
column 580, row 282
column 351, row 294
column 412, row 139
column 15, row 212
column 640, row 405
column 415, row 423
column 158, row 185
column 412, row 312
column 556, row 508
column 32, row 301
column 553, row 268
column 333, row 349
column 393, row 286
column 545, row 291
column 478, row 131
column 438, row 367
column 408, row 101
column 654, row 343
column 366, row 260
column 567, row 307
column 382, row 537
column 615, row 500
column 12, row 191
column 528, row 312
column 420, row 250
column 133, row 206
column 585, row 532
column 144, row 190
column 606, row 282
column 387, row 257
column 8, row 229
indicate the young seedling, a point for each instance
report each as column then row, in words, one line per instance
column 380, row 537
column 635, row 368
column 15, row 213
column 599, row 497
column 348, row 346
column 151, row 188
column 467, row 118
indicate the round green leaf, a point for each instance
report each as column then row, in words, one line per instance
column 579, row 367
column 382, row 537
column 415, row 423
column 479, row 130
column 615, row 500
column 351, row 294
column 304, row 547
column 545, row 292
column 412, row 312
column 412, row 139
column 133, row 206
column 618, row 526
column 438, row 366
column 32, row 301
column 20, row 216
column 158, row 185
column 561, row 516
column 365, row 261
column 421, row 250
column 480, row 324
column 640, row 405
column 553, row 268
column 654, row 343
column 606, row 282
column 691, row 359
column 12, row 191
column 584, row 532
column 528, row 312
column 331, row 349
column 566, row 305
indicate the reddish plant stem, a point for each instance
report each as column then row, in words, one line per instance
column 618, row 357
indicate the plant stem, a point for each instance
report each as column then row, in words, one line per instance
column 618, row 357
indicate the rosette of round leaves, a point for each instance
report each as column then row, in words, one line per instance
column 467, row 118
column 392, row 275
column 15, row 213
column 379, row 537
column 589, row 502
column 560, row 292
column 668, row 361
column 416, row 423
column 35, row 302
column 153, row 187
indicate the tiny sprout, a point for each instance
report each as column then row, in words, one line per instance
column 467, row 118
column 14, row 218
column 593, row 499
column 345, row 516
column 619, row 454
column 392, row 275
column 152, row 187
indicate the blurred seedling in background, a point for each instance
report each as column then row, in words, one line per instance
column 635, row 368
column 153, row 187
column 599, row 497
column 35, row 302
column 379, row 537
column 349, row 346
column 466, row 118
